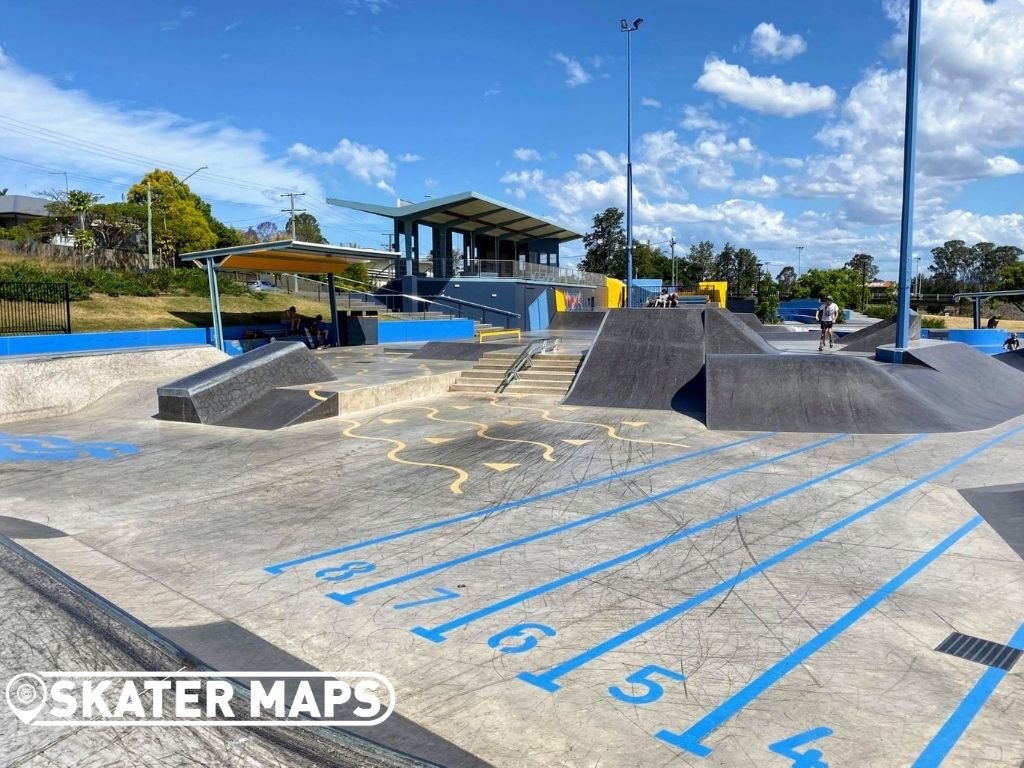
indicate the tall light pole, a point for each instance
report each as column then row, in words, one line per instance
column 907, row 217
column 197, row 170
column 625, row 27
column 67, row 188
column 799, row 259
column 917, row 261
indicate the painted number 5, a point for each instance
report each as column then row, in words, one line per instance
column 643, row 677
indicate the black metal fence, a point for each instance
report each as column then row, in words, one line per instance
column 28, row 308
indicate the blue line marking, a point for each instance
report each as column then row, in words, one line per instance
column 943, row 742
column 350, row 597
column 281, row 567
column 54, row 448
column 442, row 595
column 437, row 634
column 690, row 738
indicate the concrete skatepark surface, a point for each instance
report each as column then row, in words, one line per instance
column 576, row 321
column 873, row 336
column 551, row 584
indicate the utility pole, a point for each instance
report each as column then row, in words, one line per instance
column 391, row 240
column 799, row 259
column 672, row 247
column 292, row 209
column 149, row 223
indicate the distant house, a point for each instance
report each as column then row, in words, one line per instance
column 16, row 210
column 880, row 289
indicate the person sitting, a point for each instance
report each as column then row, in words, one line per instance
column 993, row 321
column 673, row 299
column 316, row 332
column 290, row 319
column 662, row 300
column 1012, row 343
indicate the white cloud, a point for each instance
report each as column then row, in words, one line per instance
column 574, row 71
column 490, row 93
column 367, row 164
column 649, row 102
column 767, row 40
column 763, row 186
column 695, row 119
column 133, row 142
column 527, row 155
column 232, row 25
column 770, row 95
column 409, row 157
column 184, row 15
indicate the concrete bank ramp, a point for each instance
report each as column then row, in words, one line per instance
column 645, row 358
column 1002, row 506
column 36, row 387
column 1012, row 359
column 576, row 321
column 944, row 388
column 249, row 391
column 867, row 339
column 727, row 333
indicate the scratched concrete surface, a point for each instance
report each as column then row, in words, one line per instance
column 621, row 560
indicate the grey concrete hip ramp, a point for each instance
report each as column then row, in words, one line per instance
column 870, row 337
column 645, row 358
column 576, row 321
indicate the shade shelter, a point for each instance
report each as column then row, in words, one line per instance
column 283, row 256
column 493, row 232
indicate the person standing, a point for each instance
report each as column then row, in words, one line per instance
column 828, row 313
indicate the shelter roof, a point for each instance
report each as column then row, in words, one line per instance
column 290, row 256
column 471, row 212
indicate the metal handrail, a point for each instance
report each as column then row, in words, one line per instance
column 525, row 360
column 483, row 307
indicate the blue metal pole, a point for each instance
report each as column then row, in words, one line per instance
column 218, row 327
column 629, row 171
column 909, row 139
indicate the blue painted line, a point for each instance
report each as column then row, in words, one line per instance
column 505, row 506
column 437, row 634
column 350, row 597
column 943, row 742
column 691, row 738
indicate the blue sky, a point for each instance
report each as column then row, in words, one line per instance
column 770, row 125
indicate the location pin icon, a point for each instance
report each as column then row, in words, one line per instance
column 26, row 695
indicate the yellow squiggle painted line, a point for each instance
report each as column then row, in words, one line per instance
column 612, row 432
column 549, row 450
column 456, row 485
column 316, row 395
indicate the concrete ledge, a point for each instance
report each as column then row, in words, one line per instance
column 392, row 393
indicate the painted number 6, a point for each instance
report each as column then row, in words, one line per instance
column 519, row 630
column 643, row 677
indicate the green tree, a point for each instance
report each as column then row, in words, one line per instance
column 181, row 219
column 863, row 264
column 120, row 226
column 953, row 265
column 699, row 263
column 785, row 279
column 605, row 244
column 991, row 261
column 307, row 228
column 844, row 285
column 767, row 298
column 267, row 232
column 748, row 272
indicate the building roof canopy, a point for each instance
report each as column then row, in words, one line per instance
column 290, row 256
column 470, row 212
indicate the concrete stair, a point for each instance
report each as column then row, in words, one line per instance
column 549, row 374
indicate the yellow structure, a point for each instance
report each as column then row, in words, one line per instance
column 715, row 290
column 616, row 292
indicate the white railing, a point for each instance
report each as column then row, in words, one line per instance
column 527, row 271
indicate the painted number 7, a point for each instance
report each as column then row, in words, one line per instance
column 643, row 677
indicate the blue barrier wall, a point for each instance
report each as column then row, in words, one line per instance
column 391, row 331
column 102, row 341
column 394, row 331
column 987, row 340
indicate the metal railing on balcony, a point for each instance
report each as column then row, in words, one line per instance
column 526, row 271
column 34, row 308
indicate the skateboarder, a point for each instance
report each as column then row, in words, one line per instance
column 1012, row 343
column 827, row 313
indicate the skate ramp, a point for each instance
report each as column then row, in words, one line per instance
column 727, row 333
column 946, row 388
column 1002, row 506
column 750, row 320
column 645, row 358
column 215, row 395
column 872, row 336
column 576, row 321
column 1012, row 359
column 283, row 408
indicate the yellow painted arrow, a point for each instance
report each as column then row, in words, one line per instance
column 462, row 407
column 439, row 440
column 635, row 423
column 390, row 421
column 513, row 422
column 577, row 442
column 500, row 467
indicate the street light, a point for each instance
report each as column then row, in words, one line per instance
column 625, row 27
column 918, row 260
column 197, row 170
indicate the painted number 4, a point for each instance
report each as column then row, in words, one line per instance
column 643, row 677
column 810, row 758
